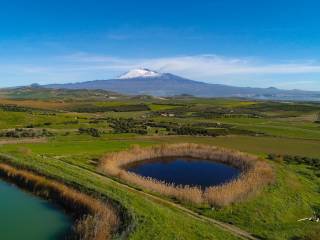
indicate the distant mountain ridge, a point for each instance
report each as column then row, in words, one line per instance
column 147, row 82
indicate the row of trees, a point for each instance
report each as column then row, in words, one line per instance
column 15, row 108
column 121, row 108
column 189, row 130
column 289, row 159
column 314, row 162
column 25, row 133
column 318, row 118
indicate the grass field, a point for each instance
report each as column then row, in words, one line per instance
column 72, row 157
column 150, row 219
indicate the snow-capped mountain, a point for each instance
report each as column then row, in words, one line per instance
column 140, row 72
column 148, row 82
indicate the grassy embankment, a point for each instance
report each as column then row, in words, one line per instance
column 93, row 219
column 149, row 218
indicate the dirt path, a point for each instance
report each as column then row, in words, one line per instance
column 224, row 226
column 25, row 140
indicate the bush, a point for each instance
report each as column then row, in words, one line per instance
column 272, row 156
column 121, row 108
column 26, row 133
column 91, row 131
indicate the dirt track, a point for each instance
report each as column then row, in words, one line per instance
column 224, row 226
column 25, row 140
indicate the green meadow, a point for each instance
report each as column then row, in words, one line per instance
column 257, row 127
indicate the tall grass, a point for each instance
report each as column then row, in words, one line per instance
column 255, row 173
column 95, row 220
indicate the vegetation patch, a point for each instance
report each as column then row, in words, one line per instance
column 313, row 163
column 91, row 131
column 94, row 219
column 129, row 125
column 122, row 108
column 16, row 108
column 256, row 173
column 26, row 133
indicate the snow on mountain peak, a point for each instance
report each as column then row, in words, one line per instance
column 141, row 72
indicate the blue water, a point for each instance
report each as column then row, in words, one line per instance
column 185, row 171
column 24, row 216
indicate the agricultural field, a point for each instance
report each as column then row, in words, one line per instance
column 64, row 135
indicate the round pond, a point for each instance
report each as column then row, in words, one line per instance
column 185, row 171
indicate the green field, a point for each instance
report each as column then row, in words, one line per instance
column 256, row 127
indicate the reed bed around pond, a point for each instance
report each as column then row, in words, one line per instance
column 255, row 173
column 94, row 219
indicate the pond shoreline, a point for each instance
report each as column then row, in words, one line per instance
column 256, row 173
column 93, row 219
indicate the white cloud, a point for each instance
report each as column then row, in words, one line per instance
column 210, row 68
column 200, row 65
column 211, row 65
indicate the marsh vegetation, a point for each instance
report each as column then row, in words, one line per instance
column 94, row 220
column 256, row 173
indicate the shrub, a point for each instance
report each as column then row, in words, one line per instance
column 121, row 108
column 91, row 131
column 26, row 133
column 272, row 156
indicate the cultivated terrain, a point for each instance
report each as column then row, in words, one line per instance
column 64, row 135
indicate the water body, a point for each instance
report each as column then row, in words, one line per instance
column 24, row 216
column 185, row 171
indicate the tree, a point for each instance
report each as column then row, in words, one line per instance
column 318, row 118
column 94, row 132
column 91, row 131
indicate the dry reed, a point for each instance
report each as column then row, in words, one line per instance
column 96, row 219
column 255, row 173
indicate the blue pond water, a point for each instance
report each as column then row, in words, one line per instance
column 185, row 171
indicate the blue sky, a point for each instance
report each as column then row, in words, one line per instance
column 235, row 42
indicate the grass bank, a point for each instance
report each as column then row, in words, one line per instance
column 256, row 173
column 94, row 219
column 148, row 218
